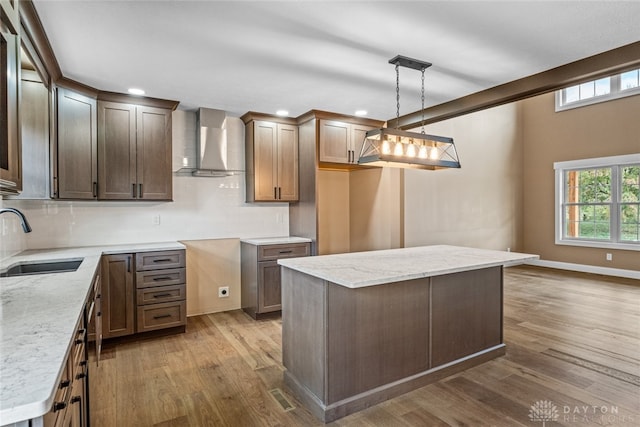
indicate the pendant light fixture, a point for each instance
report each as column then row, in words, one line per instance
column 397, row 148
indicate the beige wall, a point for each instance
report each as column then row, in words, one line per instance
column 211, row 264
column 332, row 189
column 375, row 205
column 479, row 205
column 600, row 130
column 358, row 210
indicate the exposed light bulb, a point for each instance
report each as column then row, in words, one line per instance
column 398, row 150
column 422, row 153
column 434, row 154
column 386, row 147
column 411, row 150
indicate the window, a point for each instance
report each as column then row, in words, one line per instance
column 605, row 89
column 598, row 202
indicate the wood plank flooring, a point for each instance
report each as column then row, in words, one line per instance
column 572, row 339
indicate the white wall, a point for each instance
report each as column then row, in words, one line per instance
column 479, row 205
column 203, row 208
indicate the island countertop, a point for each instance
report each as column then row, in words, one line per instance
column 38, row 317
column 361, row 269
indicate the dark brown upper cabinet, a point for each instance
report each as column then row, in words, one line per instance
column 75, row 172
column 10, row 147
column 271, row 157
column 134, row 152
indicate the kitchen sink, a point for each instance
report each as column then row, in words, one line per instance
column 43, row 267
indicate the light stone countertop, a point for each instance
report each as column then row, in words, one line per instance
column 361, row 269
column 38, row 317
column 276, row 240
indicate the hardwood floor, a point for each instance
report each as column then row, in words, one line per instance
column 573, row 340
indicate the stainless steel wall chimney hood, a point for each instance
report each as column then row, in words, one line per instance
column 219, row 144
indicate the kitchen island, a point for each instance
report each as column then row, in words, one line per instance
column 361, row 328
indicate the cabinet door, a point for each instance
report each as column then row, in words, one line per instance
column 334, row 142
column 97, row 317
column 357, row 135
column 117, row 295
column 287, row 162
column 77, row 148
column 265, row 160
column 10, row 149
column 34, row 129
column 116, row 151
column 153, row 153
column 269, row 288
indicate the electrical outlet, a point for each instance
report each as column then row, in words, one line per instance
column 609, row 257
column 156, row 220
column 223, row 292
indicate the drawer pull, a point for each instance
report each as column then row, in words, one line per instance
column 75, row 399
column 65, row 383
column 159, row 279
column 162, row 295
column 81, row 375
column 286, row 252
column 163, row 260
column 162, row 316
column 59, row 406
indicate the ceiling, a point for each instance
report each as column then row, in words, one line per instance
column 264, row 56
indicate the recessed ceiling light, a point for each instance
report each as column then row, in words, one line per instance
column 361, row 112
column 282, row 113
column 136, row 91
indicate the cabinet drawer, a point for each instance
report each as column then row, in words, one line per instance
column 162, row 294
column 60, row 398
column 153, row 278
column 159, row 260
column 271, row 252
column 160, row 316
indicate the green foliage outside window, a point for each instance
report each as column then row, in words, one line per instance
column 588, row 203
column 630, row 204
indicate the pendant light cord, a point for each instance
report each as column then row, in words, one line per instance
column 397, row 95
column 422, row 70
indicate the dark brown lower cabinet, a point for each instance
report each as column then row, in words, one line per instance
column 269, row 295
column 70, row 406
column 260, row 274
column 118, row 313
column 143, row 292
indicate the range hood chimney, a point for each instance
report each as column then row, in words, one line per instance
column 219, row 144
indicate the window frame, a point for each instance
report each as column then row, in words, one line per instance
column 613, row 162
column 615, row 92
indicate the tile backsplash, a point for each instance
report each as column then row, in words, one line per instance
column 203, row 208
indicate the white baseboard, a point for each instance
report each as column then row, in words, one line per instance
column 607, row 271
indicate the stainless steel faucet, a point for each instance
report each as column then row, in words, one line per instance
column 23, row 219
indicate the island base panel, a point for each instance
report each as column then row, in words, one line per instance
column 353, row 404
column 345, row 349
